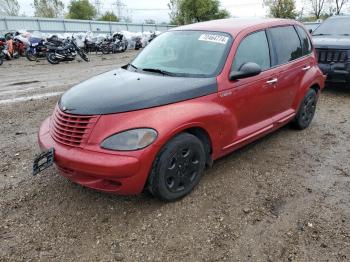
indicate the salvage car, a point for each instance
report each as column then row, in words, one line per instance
column 332, row 43
column 195, row 94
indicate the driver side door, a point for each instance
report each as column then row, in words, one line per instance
column 253, row 97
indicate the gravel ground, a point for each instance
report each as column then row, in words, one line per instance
column 282, row 198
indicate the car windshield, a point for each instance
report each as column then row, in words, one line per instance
column 185, row 53
column 335, row 26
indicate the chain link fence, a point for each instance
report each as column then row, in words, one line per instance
column 51, row 25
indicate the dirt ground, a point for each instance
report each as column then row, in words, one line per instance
column 283, row 198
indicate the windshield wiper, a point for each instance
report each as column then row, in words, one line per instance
column 320, row 34
column 160, row 71
column 133, row 66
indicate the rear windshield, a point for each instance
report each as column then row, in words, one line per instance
column 335, row 26
column 186, row 53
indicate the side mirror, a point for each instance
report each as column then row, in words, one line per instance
column 247, row 70
column 310, row 31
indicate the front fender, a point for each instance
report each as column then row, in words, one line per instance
column 204, row 112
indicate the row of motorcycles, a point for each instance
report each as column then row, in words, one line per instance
column 11, row 46
column 116, row 43
column 14, row 45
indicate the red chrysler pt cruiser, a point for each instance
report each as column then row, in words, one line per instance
column 195, row 94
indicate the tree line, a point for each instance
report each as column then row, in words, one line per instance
column 181, row 11
column 77, row 9
column 191, row 11
column 320, row 9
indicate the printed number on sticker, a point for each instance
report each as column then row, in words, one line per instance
column 214, row 38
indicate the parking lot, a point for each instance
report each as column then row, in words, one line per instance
column 282, row 198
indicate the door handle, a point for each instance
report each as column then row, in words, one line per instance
column 272, row 81
column 305, row 68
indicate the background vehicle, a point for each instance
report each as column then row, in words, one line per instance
column 332, row 43
column 311, row 26
column 213, row 87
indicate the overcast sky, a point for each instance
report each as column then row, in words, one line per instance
column 139, row 10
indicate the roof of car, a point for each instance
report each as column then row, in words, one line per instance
column 343, row 16
column 235, row 25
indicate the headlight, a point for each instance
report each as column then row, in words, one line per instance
column 133, row 139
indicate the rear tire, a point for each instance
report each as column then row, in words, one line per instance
column 1, row 61
column 178, row 168
column 306, row 110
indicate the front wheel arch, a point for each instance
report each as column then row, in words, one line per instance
column 204, row 137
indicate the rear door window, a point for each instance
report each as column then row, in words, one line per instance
column 305, row 40
column 254, row 48
column 286, row 44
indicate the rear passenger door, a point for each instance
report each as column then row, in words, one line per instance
column 291, row 65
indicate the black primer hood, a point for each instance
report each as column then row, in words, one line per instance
column 121, row 90
column 332, row 42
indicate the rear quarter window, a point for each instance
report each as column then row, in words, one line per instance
column 305, row 41
column 286, row 44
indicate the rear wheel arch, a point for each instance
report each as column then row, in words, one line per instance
column 316, row 87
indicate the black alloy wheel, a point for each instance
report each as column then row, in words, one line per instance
column 306, row 111
column 178, row 168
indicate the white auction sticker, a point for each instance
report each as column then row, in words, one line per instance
column 214, row 38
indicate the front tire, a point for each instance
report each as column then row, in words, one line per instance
column 306, row 110
column 30, row 56
column 178, row 168
column 84, row 56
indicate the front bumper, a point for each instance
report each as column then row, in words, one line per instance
column 338, row 73
column 120, row 174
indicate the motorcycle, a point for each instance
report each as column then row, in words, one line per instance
column 36, row 49
column 138, row 42
column 120, row 43
column 37, row 46
column 20, row 44
column 2, row 56
column 90, row 46
column 115, row 44
column 152, row 37
column 107, row 45
column 5, row 54
column 67, row 52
